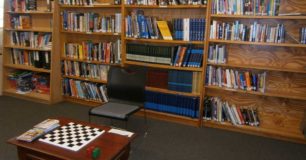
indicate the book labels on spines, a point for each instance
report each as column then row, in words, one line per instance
column 180, row 56
column 91, row 22
column 106, row 52
column 173, row 104
column 218, row 110
column 246, row 7
column 85, row 70
column 236, row 79
column 165, row 2
column 84, row 90
column 253, row 32
column 38, row 59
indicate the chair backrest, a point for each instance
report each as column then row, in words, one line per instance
column 126, row 84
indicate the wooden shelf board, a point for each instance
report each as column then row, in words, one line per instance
column 256, row 131
column 278, row 95
column 165, row 7
column 170, row 117
column 85, row 79
column 25, row 67
column 88, row 61
column 30, row 29
column 31, row 12
column 162, row 66
column 257, row 67
column 164, row 41
column 33, row 95
column 90, row 6
column 258, row 17
column 162, row 90
column 28, row 48
column 93, row 33
column 259, row 43
column 86, row 102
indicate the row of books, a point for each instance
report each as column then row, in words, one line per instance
column 107, row 52
column 182, row 81
column 255, row 32
column 303, row 35
column 85, row 70
column 84, row 90
column 77, row 2
column 217, row 54
column 189, row 29
column 38, row 59
column 32, row 39
column 39, row 130
column 174, row 104
column 165, row 2
column 91, row 22
column 28, row 5
column 140, row 26
column 181, row 56
column 20, row 21
column 236, row 79
column 27, row 81
column 246, row 7
column 218, row 110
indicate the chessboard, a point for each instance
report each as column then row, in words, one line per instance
column 72, row 136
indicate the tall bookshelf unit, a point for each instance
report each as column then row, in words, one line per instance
column 43, row 20
column 282, row 106
column 79, row 37
column 167, row 13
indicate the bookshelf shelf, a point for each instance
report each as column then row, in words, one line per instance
column 91, row 6
column 25, row 67
column 170, row 117
column 162, row 90
column 165, row 7
column 151, row 65
column 164, row 41
column 291, row 136
column 266, row 68
column 31, row 12
column 278, row 95
column 85, row 79
column 86, row 102
column 47, row 30
column 28, row 48
column 259, row 43
column 88, row 61
column 92, row 33
column 259, row 17
column 34, row 95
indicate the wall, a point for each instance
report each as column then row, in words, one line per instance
column 1, row 37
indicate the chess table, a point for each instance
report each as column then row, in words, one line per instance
column 112, row 146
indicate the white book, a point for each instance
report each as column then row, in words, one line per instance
column 236, row 114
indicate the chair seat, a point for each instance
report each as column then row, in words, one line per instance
column 115, row 110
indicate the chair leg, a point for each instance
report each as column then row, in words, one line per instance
column 89, row 118
column 146, row 122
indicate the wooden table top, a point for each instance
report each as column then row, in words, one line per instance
column 110, row 144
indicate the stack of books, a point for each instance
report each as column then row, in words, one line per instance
column 39, row 130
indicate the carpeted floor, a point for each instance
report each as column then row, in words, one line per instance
column 165, row 141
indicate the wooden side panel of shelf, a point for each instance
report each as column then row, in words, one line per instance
column 281, row 117
column 55, row 89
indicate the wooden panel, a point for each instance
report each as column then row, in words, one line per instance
column 292, row 84
column 266, row 56
column 292, row 6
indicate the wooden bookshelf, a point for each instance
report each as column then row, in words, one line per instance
column 42, row 21
column 163, row 41
column 165, row 7
column 162, row 90
column 282, row 106
column 78, row 37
